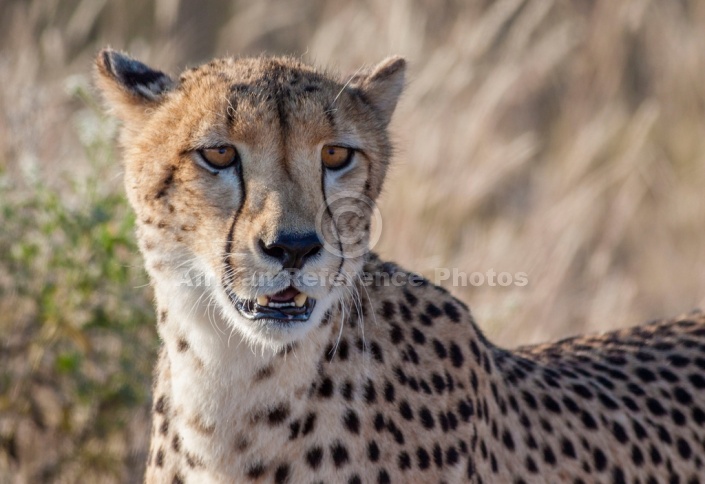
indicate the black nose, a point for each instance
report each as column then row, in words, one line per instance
column 293, row 250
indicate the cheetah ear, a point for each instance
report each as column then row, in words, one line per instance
column 128, row 85
column 383, row 86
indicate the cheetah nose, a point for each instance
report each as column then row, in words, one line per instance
column 293, row 250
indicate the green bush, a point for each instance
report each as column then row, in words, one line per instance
column 77, row 332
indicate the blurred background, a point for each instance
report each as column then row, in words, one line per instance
column 563, row 139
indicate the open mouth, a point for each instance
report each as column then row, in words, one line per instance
column 287, row 305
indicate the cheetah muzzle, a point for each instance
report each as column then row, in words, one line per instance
column 251, row 167
column 289, row 305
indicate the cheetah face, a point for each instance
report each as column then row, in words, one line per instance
column 259, row 176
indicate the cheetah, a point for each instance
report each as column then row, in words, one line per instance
column 291, row 353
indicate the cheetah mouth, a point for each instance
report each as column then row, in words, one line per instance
column 289, row 305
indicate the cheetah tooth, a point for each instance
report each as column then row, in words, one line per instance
column 262, row 300
column 300, row 299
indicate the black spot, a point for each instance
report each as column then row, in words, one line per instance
column 396, row 433
column 630, row 403
column 278, row 414
column 452, row 312
column 352, row 423
column 655, row 407
column 376, row 352
column 425, row 320
column 423, row 458
column 438, row 383
column 531, row 465
column 388, row 310
column 413, row 355
column 551, row 405
column 404, row 461
column 379, row 422
column 619, row 433
column 582, row 390
column 281, row 475
column 314, row 457
column 438, row 455
column 370, row 394
column 373, row 451
column 668, row 375
column 607, row 401
column 664, row 435
column 432, row 310
column 405, row 312
column 678, row 361
column 599, row 459
column 440, row 349
column 618, row 476
column 389, row 392
column 571, row 405
column 529, row 400
column 567, row 448
column 160, row 458
column 645, row 375
column 637, row 455
column 383, row 477
column 343, row 349
column 639, row 430
column 354, row 479
column 682, row 396
column 677, row 417
column 166, row 183
column 255, row 470
column 294, row 428
column 697, row 380
column 508, row 440
column 396, row 334
column 588, row 420
column 418, row 336
column 451, row 455
column 456, row 356
column 426, row 418
column 326, row 388
column 339, row 454
column 160, row 406
column 176, row 443
column 683, row 448
column 347, row 390
column 410, row 298
column 466, row 410
column 309, row 423
column 548, row 456
column 405, row 410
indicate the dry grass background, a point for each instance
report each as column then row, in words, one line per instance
column 563, row 139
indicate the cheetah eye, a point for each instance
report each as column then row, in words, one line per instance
column 336, row 157
column 220, row 157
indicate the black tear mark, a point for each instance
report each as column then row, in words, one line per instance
column 226, row 279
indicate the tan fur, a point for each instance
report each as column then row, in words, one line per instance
column 386, row 382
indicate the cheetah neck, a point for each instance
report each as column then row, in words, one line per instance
column 215, row 384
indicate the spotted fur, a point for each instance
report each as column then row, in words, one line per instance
column 386, row 382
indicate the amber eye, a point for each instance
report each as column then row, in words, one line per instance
column 336, row 157
column 221, row 157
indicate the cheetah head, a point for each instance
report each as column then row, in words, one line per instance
column 254, row 182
